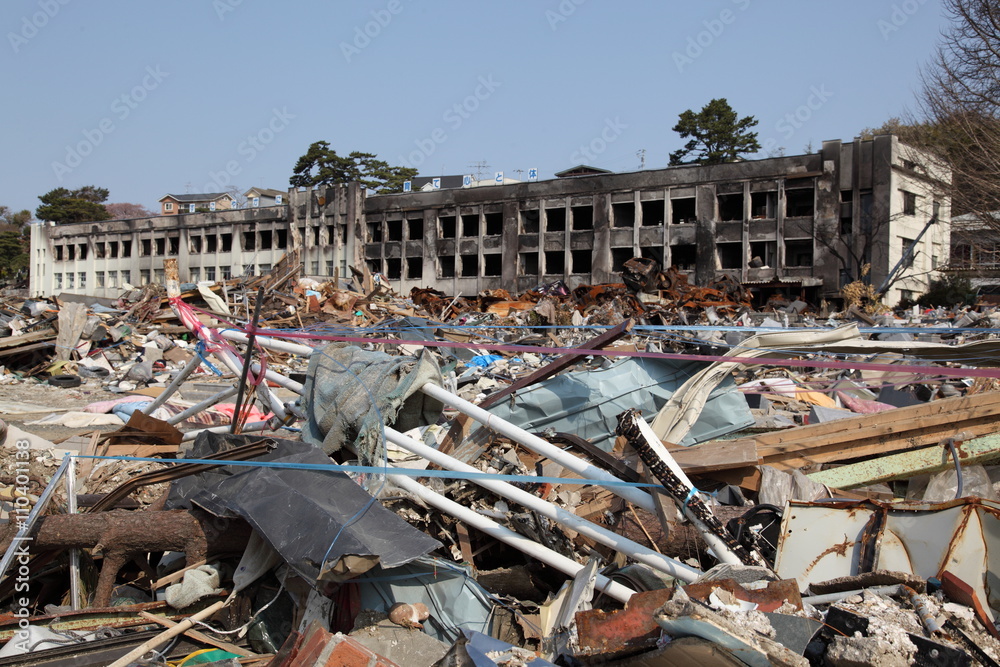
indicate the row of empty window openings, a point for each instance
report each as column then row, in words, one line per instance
column 114, row 279
column 170, row 245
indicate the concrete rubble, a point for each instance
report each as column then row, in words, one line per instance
column 286, row 472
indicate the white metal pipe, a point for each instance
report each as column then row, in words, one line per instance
column 508, row 536
column 270, row 343
column 247, row 428
column 173, row 386
column 539, row 446
column 235, row 364
column 280, row 379
column 203, row 405
column 617, row 542
column 74, row 553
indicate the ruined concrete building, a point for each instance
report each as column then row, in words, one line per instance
column 798, row 225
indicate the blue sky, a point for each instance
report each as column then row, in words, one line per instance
column 146, row 98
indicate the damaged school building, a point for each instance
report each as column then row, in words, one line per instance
column 796, row 226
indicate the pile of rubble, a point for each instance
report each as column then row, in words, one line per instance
column 287, row 472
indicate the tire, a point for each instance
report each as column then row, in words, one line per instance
column 65, row 381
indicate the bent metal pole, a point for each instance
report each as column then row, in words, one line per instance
column 539, row 446
column 634, row 550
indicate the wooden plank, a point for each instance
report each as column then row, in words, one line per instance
column 201, row 637
column 715, row 455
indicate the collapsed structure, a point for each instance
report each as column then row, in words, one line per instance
column 799, row 225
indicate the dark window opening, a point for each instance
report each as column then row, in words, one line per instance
column 99, row 249
column 447, row 265
column 194, row 244
column 961, row 256
column 212, row 243
column 583, row 217
column 161, row 246
column 528, row 264
column 249, row 240
column 415, row 229
column 866, row 210
column 730, row 207
column 494, row 224
column 395, row 230
column 126, row 249
column 227, row 242
column 315, row 234
column 555, row 219
column 470, row 266
column 530, row 221
column 493, row 265
column 173, row 245
column 414, row 268
column 555, row 262
column 763, row 253
column 654, row 212
column 846, row 211
column 447, row 226
column 146, row 249
column 113, row 249
column 82, row 254
column 618, row 258
column 683, row 210
column 581, row 260
column 58, row 252
column 282, row 235
column 684, row 256
column 623, row 215
column 799, row 253
column 331, row 233
column 909, row 203
column 730, row 255
column 470, row 225
column 343, row 233
column 71, row 249
column 654, row 253
column 393, row 268
column 374, row 265
column 800, row 203
column 374, row 232
column 763, row 205
column 266, row 240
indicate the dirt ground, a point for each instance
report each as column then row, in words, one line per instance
column 30, row 400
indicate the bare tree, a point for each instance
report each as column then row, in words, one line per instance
column 127, row 211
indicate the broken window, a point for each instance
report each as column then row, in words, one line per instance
column 194, row 274
column 623, row 215
column 70, row 280
column 414, row 268
column 654, row 212
column 470, row 226
column 282, row 241
column 112, row 279
column 528, row 265
column 446, row 223
column 763, row 205
column 909, row 203
column 249, row 241
column 173, row 245
column 961, row 255
column 763, row 253
column 555, row 262
column 71, row 250
column 194, row 244
column 730, row 255
column 146, row 249
column 618, row 258
column 99, row 278
column 99, row 249
column 800, row 202
column 113, row 250
column 143, row 276
column 266, row 240
column 210, row 273
column 555, row 219
column 446, row 266
column 654, row 253
column 211, row 243
column 374, row 233
column 227, row 243
column 684, row 256
column 730, row 207
column 493, row 265
column 415, row 229
column 581, row 261
column 530, row 221
column 58, row 250
column 846, row 211
column 126, row 248
column 470, row 266
column 395, row 228
column 494, row 224
column 82, row 254
column 799, row 252
column 583, row 217
column 227, row 272
column 158, row 276
column 161, row 246
column 393, row 267
column 683, row 210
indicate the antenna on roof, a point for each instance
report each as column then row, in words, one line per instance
column 642, row 158
column 480, row 167
column 187, row 188
column 519, row 172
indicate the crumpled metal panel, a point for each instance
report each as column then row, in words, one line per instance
column 822, row 541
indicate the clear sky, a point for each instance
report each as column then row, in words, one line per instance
column 146, row 98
